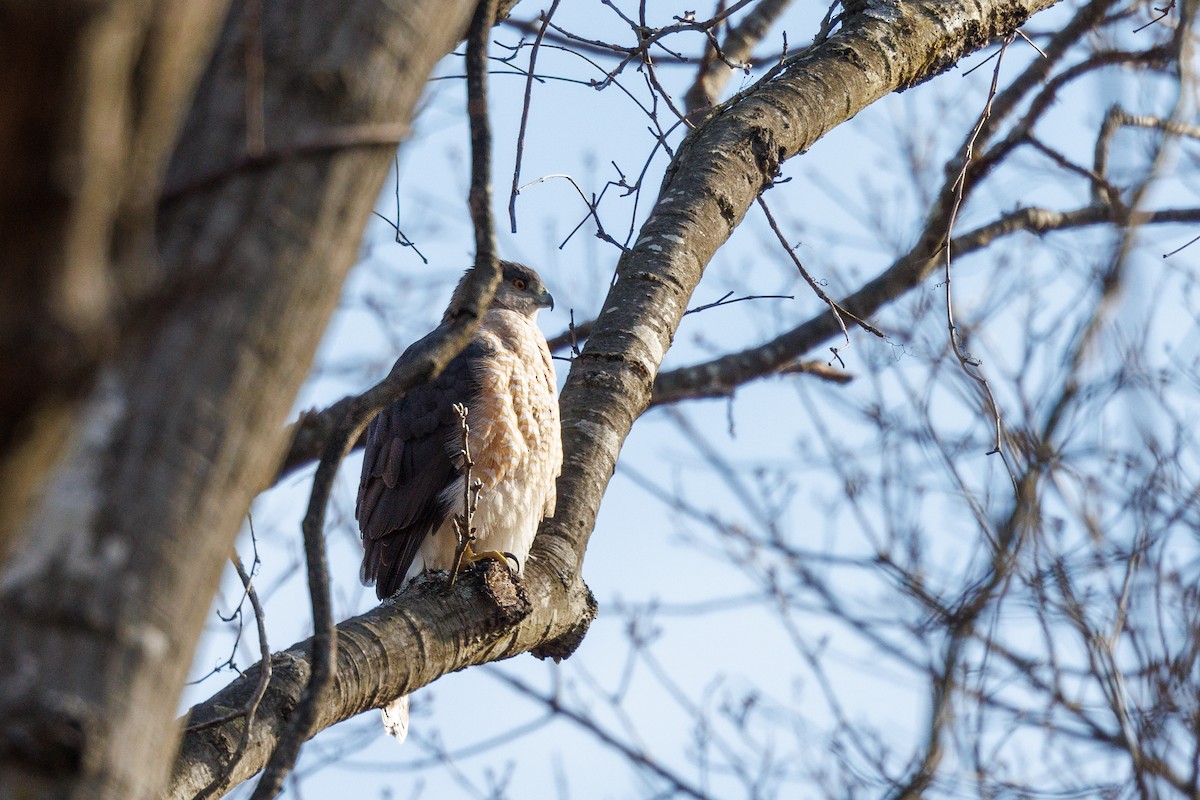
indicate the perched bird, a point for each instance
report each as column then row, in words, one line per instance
column 413, row 477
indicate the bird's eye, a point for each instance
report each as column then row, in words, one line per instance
column 519, row 283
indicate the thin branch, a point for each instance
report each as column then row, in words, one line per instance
column 1097, row 182
column 264, row 650
column 221, row 782
column 482, row 280
column 725, row 300
column 837, row 310
column 537, row 43
column 970, row 365
column 1182, row 247
column 572, row 336
column 464, row 523
column 1162, row 14
column 591, row 206
column 480, row 196
column 400, row 238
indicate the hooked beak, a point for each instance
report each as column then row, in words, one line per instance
column 545, row 300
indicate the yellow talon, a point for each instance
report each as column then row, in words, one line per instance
column 470, row 556
column 497, row 555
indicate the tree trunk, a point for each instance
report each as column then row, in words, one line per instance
column 93, row 96
column 103, row 602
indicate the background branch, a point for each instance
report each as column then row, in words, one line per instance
column 712, row 181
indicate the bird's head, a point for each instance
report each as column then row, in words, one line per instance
column 521, row 289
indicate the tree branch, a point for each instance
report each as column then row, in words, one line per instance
column 717, row 173
column 486, row 618
column 721, row 376
column 460, row 325
column 180, row 434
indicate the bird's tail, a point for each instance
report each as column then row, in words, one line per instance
column 395, row 718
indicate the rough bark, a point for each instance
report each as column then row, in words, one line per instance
column 93, row 96
column 102, row 606
column 722, row 375
column 485, row 618
column 715, row 177
column 717, row 173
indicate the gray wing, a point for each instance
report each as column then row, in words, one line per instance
column 407, row 466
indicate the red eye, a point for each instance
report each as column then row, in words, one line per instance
column 519, row 283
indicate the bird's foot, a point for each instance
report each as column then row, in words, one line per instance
column 468, row 556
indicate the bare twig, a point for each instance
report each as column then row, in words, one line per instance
column 1182, row 247
column 464, row 523
column 969, row 364
column 591, row 206
column 477, row 292
column 575, row 332
column 400, row 238
column 728, row 299
column 220, row 783
column 837, row 310
column 537, row 43
column 1162, row 14
column 1031, row 43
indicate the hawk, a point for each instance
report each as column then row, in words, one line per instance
column 413, row 471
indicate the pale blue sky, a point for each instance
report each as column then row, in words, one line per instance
column 851, row 204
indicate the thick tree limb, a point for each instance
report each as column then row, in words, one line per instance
column 485, row 618
column 716, row 175
column 99, row 617
column 93, row 96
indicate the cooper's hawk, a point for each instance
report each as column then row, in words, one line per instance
column 412, row 476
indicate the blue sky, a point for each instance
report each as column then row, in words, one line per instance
column 713, row 641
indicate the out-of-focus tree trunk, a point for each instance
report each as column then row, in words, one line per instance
column 104, row 598
column 92, row 96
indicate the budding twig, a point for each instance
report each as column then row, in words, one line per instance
column 464, row 528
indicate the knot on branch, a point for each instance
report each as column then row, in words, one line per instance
column 564, row 646
column 768, row 153
column 504, row 590
column 487, row 583
column 289, row 677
